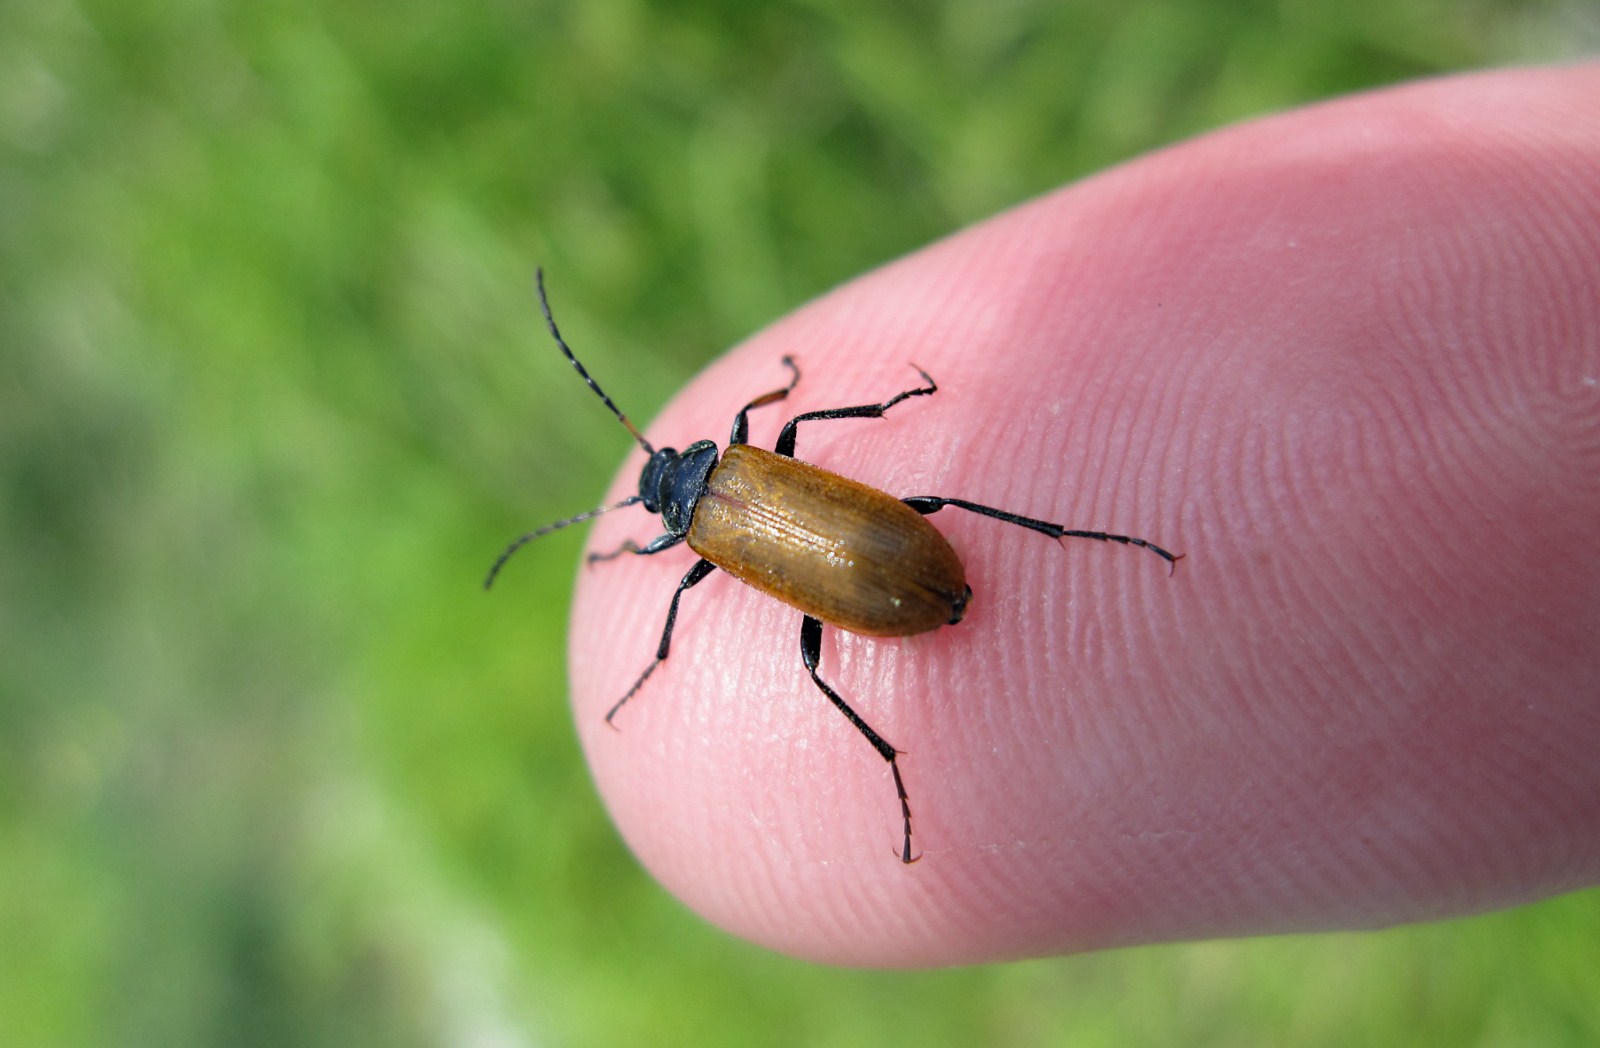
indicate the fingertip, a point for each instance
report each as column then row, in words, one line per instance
column 1191, row 346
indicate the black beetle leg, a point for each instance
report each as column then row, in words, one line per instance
column 811, row 655
column 741, row 421
column 655, row 545
column 701, row 569
column 926, row 504
column 785, row 445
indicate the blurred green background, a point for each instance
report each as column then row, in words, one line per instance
column 275, row 391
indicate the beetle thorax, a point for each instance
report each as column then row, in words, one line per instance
column 671, row 483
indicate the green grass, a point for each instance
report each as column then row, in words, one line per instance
column 274, row 391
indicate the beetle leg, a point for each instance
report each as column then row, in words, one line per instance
column 926, row 504
column 785, row 445
column 741, row 423
column 655, row 545
column 701, row 569
column 811, row 655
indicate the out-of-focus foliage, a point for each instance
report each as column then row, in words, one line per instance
column 272, row 770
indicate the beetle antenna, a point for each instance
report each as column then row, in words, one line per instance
column 550, row 321
column 500, row 562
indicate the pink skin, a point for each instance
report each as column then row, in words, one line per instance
column 1347, row 360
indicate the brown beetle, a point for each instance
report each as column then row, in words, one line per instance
column 839, row 551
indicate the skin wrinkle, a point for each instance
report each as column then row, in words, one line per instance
column 1524, row 799
column 1078, row 501
column 1552, row 797
column 990, row 554
column 1509, row 426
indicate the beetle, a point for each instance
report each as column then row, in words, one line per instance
column 841, row 552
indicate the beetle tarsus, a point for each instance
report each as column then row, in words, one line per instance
column 612, row 712
column 628, row 546
column 905, row 812
column 1126, row 540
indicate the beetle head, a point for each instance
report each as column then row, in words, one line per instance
column 671, row 483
